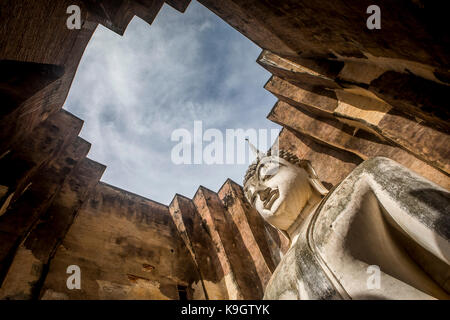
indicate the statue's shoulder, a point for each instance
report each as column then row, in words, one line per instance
column 391, row 175
column 415, row 195
column 398, row 190
column 384, row 168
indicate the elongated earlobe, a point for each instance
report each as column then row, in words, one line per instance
column 314, row 179
column 318, row 186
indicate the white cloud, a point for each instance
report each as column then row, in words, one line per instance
column 133, row 91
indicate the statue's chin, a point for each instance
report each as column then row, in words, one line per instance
column 286, row 209
column 277, row 215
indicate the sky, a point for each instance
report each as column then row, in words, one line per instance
column 133, row 91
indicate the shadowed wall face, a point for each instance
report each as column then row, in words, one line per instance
column 346, row 94
column 54, row 211
column 126, row 246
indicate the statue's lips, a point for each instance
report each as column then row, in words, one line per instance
column 273, row 196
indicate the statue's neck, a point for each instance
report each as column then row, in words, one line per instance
column 294, row 230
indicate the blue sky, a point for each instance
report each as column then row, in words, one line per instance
column 133, row 91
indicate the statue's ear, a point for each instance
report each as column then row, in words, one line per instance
column 314, row 179
column 318, row 186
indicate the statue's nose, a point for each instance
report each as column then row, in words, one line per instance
column 263, row 194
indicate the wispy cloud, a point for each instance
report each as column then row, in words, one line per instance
column 133, row 91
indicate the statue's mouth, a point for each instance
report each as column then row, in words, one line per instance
column 271, row 198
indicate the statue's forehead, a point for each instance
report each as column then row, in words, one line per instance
column 273, row 160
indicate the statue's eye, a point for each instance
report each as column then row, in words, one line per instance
column 266, row 176
column 268, row 170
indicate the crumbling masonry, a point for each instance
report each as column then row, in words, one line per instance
column 346, row 94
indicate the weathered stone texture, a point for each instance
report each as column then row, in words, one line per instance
column 362, row 144
column 199, row 242
column 127, row 248
column 235, row 250
column 212, row 212
column 332, row 165
column 310, row 28
column 345, row 93
column 46, row 142
column 35, row 200
column 250, row 227
column 369, row 114
column 36, row 32
column 30, row 264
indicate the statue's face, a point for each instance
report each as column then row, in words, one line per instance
column 278, row 191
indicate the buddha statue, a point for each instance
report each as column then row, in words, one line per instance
column 382, row 233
